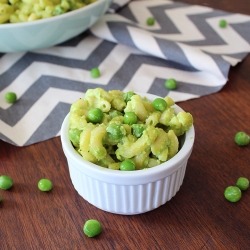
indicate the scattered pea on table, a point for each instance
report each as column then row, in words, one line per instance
column 150, row 21
column 242, row 139
column 5, row 182
column 45, row 185
column 171, row 83
column 95, row 73
column 10, row 97
column 242, row 183
column 223, row 23
column 92, row 228
column 232, row 193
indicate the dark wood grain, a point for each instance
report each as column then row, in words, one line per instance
column 198, row 217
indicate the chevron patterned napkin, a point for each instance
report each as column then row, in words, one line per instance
column 185, row 43
column 187, row 36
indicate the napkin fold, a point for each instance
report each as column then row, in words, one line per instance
column 188, row 35
column 185, row 43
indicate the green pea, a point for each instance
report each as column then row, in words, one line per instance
column 95, row 73
column 160, row 104
column 150, row 21
column 138, row 130
column 92, row 228
column 223, row 23
column 45, row 185
column 10, row 97
column 242, row 139
column 127, row 96
column 127, row 165
column 232, row 193
column 130, row 118
column 5, row 182
column 95, row 115
column 242, row 183
column 116, row 130
column 171, row 83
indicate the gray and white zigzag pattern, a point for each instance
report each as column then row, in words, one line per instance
column 116, row 5
column 47, row 81
column 186, row 34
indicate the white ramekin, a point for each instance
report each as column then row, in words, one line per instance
column 131, row 192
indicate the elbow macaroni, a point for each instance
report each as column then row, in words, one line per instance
column 96, row 147
column 156, row 144
column 136, row 105
column 14, row 11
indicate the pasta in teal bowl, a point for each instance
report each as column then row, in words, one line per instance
column 100, row 147
column 28, row 33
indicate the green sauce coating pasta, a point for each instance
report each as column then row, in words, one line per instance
column 152, row 140
column 15, row 11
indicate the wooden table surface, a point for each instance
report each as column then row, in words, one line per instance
column 198, row 217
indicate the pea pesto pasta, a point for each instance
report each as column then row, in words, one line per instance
column 108, row 128
column 15, row 11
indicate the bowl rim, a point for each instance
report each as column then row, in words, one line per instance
column 128, row 177
column 53, row 18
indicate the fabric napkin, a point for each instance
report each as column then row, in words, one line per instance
column 185, row 43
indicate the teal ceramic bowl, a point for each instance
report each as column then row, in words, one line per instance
column 44, row 33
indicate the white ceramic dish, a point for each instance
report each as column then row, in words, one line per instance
column 48, row 32
column 131, row 192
